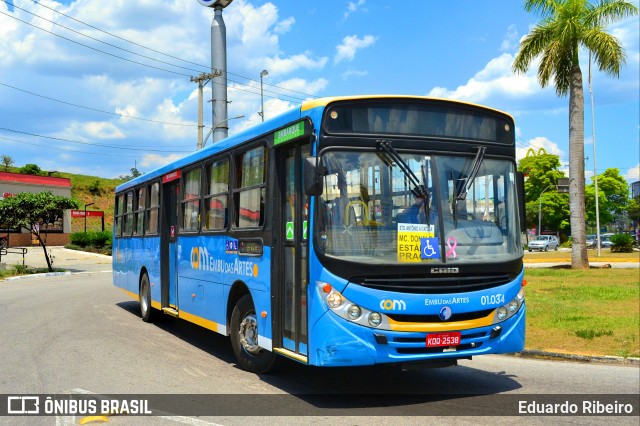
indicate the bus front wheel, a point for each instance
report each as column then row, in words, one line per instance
column 244, row 338
column 146, row 311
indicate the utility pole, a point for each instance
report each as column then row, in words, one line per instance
column 202, row 79
column 219, row 63
column 263, row 74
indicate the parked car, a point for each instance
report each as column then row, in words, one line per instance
column 592, row 241
column 544, row 242
column 606, row 240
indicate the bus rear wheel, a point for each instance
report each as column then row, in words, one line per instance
column 244, row 338
column 146, row 311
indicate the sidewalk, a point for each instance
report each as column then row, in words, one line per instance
column 70, row 260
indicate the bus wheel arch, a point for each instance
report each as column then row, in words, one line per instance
column 238, row 290
column 144, row 291
column 243, row 330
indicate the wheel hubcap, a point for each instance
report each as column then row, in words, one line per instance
column 144, row 303
column 249, row 334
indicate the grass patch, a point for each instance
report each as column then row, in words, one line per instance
column 19, row 269
column 594, row 312
column 590, row 334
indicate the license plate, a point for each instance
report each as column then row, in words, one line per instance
column 435, row 340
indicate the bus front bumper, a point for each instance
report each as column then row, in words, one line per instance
column 342, row 343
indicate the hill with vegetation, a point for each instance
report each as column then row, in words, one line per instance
column 85, row 190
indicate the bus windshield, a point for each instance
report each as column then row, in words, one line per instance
column 370, row 211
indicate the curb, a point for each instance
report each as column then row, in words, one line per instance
column 534, row 353
column 46, row 274
column 87, row 253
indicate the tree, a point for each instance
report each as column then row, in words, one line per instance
column 541, row 172
column 134, row 174
column 566, row 26
column 34, row 212
column 541, row 196
column 633, row 209
column 613, row 196
column 30, row 169
column 7, row 161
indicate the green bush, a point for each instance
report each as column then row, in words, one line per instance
column 100, row 239
column 622, row 243
column 79, row 239
column 96, row 239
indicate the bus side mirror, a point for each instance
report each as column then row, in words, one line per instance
column 313, row 173
column 521, row 207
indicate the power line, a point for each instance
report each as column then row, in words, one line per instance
column 67, row 149
column 95, row 109
column 101, row 41
column 146, row 65
column 168, row 55
column 91, row 144
column 93, row 48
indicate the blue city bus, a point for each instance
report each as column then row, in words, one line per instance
column 348, row 231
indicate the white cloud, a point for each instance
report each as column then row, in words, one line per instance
column 152, row 161
column 353, row 73
column 350, row 45
column 633, row 174
column 510, row 41
column 284, row 26
column 303, row 88
column 276, row 65
column 353, row 7
column 495, row 79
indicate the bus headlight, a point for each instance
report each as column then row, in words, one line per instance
column 502, row 313
column 334, row 299
column 354, row 312
column 346, row 309
column 375, row 319
column 510, row 309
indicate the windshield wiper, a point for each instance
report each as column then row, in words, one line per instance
column 463, row 188
column 419, row 190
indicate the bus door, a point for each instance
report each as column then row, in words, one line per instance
column 168, row 245
column 291, row 225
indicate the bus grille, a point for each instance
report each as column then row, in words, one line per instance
column 466, row 316
column 433, row 285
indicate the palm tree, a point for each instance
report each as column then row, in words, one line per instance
column 566, row 26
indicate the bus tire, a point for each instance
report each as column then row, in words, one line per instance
column 244, row 338
column 146, row 311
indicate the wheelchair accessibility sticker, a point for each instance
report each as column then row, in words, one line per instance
column 429, row 248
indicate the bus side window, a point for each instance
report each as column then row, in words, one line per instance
column 250, row 188
column 216, row 203
column 191, row 201
column 153, row 203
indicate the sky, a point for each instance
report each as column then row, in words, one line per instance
column 99, row 87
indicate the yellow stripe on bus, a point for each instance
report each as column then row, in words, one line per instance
column 154, row 304
column 202, row 322
column 441, row 326
column 130, row 293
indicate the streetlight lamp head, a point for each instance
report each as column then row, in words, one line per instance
column 215, row 3
column 264, row 73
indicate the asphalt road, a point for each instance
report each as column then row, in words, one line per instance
column 79, row 334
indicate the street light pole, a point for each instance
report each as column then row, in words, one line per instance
column 85, row 216
column 595, row 170
column 214, row 127
column 540, row 210
column 263, row 74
